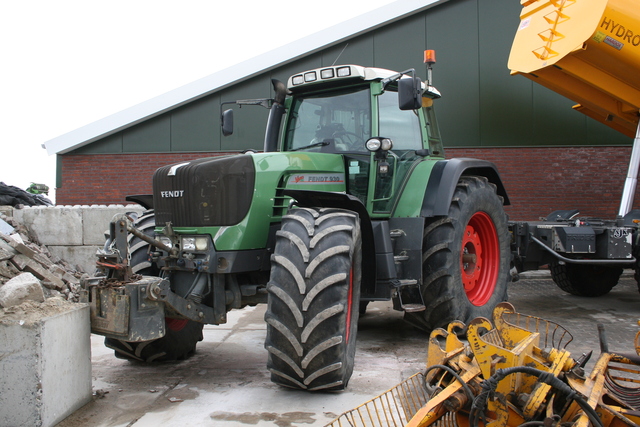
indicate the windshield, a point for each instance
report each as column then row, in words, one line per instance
column 331, row 123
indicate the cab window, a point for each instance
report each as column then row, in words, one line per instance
column 403, row 127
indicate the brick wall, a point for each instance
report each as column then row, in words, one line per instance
column 104, row 179
column 538, row 180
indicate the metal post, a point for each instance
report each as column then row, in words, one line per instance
column 632, row 177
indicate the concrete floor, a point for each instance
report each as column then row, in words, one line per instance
column 226, row 383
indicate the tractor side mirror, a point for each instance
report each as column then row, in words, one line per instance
column 409, row 93
column 227, row 122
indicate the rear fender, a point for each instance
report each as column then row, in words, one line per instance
column 306, row 198
column 444, row 178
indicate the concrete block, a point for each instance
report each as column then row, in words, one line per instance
column 24, row 287
column 45, row 362
column 82, row 256
column 52, row 225
column 96, row 220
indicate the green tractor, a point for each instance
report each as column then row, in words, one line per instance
column 351, row 201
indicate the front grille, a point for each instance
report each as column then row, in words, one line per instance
column 207, row 192
column 280, row 201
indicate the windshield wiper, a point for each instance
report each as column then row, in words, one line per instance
column 315, row 144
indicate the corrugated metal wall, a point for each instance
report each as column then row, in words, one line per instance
column 482, row 105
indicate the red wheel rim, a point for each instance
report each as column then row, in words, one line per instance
column 175, row 324
column 349, row 306
column 480, row 258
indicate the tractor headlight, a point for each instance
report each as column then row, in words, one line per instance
column 375, row 144
column 344, row 71
column 199, row 243
column 327, row 73
column 188, row 244
column 202, row 243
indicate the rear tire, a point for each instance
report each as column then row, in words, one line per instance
column 181, row 336
column 585, row 280
column 314, row 291
column 466, row 257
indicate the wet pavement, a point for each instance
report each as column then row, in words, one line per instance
column 226, row 382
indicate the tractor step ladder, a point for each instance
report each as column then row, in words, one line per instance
column 409, row 295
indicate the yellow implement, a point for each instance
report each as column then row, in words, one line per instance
column 586, row 50
column 394, row 407
column 511, row 371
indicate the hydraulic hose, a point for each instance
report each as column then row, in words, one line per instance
column 466, row 388
column 489, row 386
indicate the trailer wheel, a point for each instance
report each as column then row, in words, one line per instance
column 585, row 280
column 465, row 257
column 313, row 297
column 181, row 336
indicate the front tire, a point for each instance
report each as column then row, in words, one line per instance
column 585, row 280
column 181, row 336
column 178, row 343
column 314, row 291
column 466, row 257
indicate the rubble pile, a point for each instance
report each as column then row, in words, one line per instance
column 29, row 272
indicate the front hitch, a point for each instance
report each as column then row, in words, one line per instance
column 123, row 310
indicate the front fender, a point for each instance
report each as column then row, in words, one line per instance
column 444, row 178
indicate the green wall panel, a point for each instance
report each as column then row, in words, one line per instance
column 555, row 123
column 400, row 46
column 152, row 136
column 196, row 126
column 452, row 30
column 58, row 171
column 249, row 120
column 600, row 134
column 358, row 51
column 505, row 111
column 482, row 104
column 107, row 145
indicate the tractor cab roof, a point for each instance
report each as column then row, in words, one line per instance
column 336, row 75
column 340, row 75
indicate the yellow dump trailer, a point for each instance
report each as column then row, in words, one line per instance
column 586, row 50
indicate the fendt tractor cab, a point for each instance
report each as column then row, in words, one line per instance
column 351, row 201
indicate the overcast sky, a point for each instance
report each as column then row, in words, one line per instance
column 68, row 63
